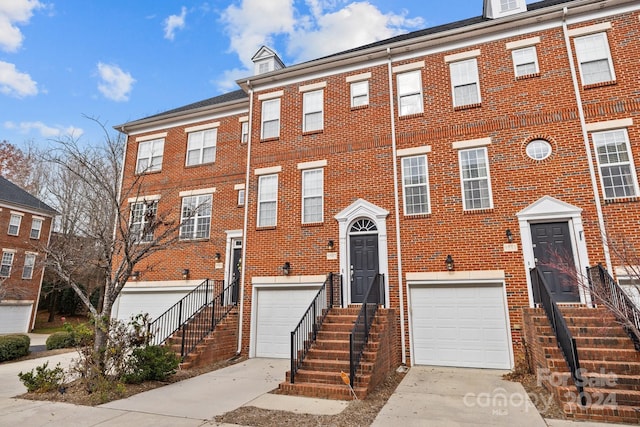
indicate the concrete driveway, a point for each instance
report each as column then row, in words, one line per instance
column 443, row 396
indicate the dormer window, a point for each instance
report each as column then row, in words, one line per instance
column 494, row 9
column 507, row 5
column 265, row 61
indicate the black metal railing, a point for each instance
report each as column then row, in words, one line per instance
column 359, row 336
column 609, row 293
column 307, row 329
column 566, row 342
column 201, row 324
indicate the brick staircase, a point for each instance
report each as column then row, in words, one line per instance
column 319, row 375
column 221, row 344
column 609, row 362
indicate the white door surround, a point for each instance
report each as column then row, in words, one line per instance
column 550, row 209
column 357, row 210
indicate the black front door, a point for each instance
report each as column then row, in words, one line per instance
column 235, row 273
column 554, row 257
column 364, row 264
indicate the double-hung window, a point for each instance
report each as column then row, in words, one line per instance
column 36, row 228
column 150, row 155
column 244, row 132
column 312, row 195
column 143, row 215
column 617, row 172
column 465, row 82
column 359, row 93
column 267, row 200
column 474, row 174
column 410, row 93
column 196, row 217
column 270, row 118
column 313, row 114
column 415, row 185
column 507, row 5
column 594, row 58
column 14, row 224
column 29, row 264
column 6, row 263
column 525, row 61
column 201, row 147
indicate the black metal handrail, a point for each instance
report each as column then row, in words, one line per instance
column 566, row 342
column 201, row 324
column 359, row 336
column 608, row 292
column 307, row 329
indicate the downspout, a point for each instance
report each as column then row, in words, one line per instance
column 587, row 144
column 397, row 205
column 246, row 221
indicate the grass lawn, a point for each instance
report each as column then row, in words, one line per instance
column 44, row 327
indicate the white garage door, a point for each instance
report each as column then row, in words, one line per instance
column 153, row 303
column 14, row 318
column 460, row 325
column 278, row 313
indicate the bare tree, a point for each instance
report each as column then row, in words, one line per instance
column 94, row 231
column 21, row 166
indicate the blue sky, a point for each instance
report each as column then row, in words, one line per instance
column 121, row 60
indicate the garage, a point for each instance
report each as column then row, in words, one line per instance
column 461, row 325
column 278, row 312
column 14, row 317
column 156, row 301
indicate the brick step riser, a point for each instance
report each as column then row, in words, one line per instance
column 598, row 355
column 616, row 332
column 623, row 414
column 580, row 321
column 332, row 367
column 608, row 381
column 559, row 365
column 600, row 396
column 622, row 343
column 319, row 354
column 327, row 379
column 315, row 390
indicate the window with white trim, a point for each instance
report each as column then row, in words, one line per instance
column 409, row 93
column 359, row 93
column 244, row 132
column 201, row 147
column 196, row 217
column 525, row 61
column 312, row 195
column 465, row 82
column 6, row 263
column 615, row 162
column 506, row 5
column 14, row 224
column 474, row 174
column 141, row 219
column 150, row 155
column 415, row 185
column 241, row 197
column 312, row 111
column 270, row 118
column 594, row 58
column 267, row 200
column 29, row 264
column 36, row 228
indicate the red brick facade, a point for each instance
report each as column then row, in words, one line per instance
column 361, row 149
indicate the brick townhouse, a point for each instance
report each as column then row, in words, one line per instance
column 451, row 160
column 25, row 228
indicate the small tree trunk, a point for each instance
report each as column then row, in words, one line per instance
column 53, row 300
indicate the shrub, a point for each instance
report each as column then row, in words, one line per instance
column 60, row 340
column 14, row 346
column 149, row 363
column 44, row 379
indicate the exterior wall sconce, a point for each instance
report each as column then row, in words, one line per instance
column 449, row 263
column 217, row 256
column 509, row 235
column 330, row 245
column 185, row 273
column 135, row 275
column 286, row 268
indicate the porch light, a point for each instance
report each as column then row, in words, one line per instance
column 330, row 245
column 509, row 235
column 449, row 263
column 286, row 268
column 217, row 256
column 185, row 273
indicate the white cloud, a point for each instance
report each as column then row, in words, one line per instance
column 116, row 84
column 329, row 27
column 13, row 13
column 15, row 83
column 45, row 130
column 173, row 23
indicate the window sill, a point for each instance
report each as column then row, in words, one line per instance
column 273, row 138
column 622, row 200
column 600, row 84
column 411, row 116
column 240, row 206
column 312, row 224
column 197, row 240
column 199, row 164
column 360, row 107
column 417, row 216
column 467, row 107
column 313, row 132
column 148, row 173
column 265, row 228
column 478, row 211
column 528, row 76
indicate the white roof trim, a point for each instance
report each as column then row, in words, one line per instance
column 403, row 152
column 596, row 28
column 270, row 95
column 313, row 86
column 202, row 127
column 199, row 192
column 358, row 77
column 408, row 67
column 312, row 165
column 523, row 43
column 151, row 137
column 609, row 124
column 471, row 143
column 462, row 55
column 268, row 171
